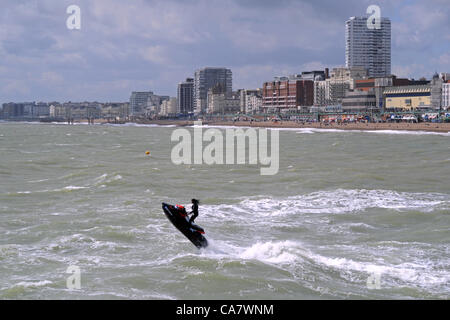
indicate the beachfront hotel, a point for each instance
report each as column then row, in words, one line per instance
column 287, row 94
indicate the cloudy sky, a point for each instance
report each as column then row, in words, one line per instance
column 134, row 45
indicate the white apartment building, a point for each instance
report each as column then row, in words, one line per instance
column 446, row 96
column 250, row 100
column 223, row 103
column 169, row 107
column 368, row 47
column 253, row 103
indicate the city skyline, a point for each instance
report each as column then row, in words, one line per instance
column 155, row 45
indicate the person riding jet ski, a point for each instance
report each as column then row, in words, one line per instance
column 194, row 211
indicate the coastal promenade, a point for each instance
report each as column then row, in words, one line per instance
column 423, row 126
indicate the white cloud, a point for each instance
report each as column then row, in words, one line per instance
column 15, row 87
column 295, row 25
column 156, row 54
column 421, row 24
column 413, row 70
column 51, row 77
column 314, row 65
column 444, row 60
column 160, row 20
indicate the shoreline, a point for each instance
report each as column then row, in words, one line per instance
column 424, row 126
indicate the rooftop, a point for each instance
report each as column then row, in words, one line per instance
column 408, row 89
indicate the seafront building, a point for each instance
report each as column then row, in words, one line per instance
column 185, row 97
column 424, row 95
column 284, row 95
column 25, row 111
column 169, row 108
column 331, row 91
column 408, row 97
column 247, row 103
column 321, row 93
column 315, row 75
column 343, row 79
column 375, row 95
column 359, row 101
column 369, row 48
column 436, row 92
column 253, row 104
column 145, row 103
column 139, row 102
column 293, row 93
column 207, row 78
column 40, row 110
column 13, row 111
column 379, row 84
column 114, row 110
column 446, row 95
column 82, row 110
column 221, row 102
column 251, row 100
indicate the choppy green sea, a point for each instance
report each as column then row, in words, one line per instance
column 345, row 207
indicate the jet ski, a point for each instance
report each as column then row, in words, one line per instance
column 179, row 218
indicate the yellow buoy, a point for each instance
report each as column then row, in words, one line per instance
column 147, row 152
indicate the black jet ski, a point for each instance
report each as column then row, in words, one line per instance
column 179, row 218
